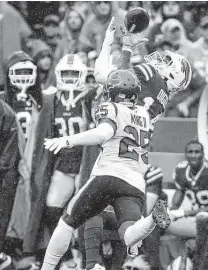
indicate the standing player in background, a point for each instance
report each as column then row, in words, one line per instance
column 55, row 178
column 22, row 92
column 22, row 89
column 117, row 177
column 191, row 180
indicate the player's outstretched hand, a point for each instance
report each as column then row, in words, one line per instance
column 109, row 34
column 130, row 39
column 56, row 144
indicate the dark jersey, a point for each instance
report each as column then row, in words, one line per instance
column 154, row 93
column 195, row 187
column 69, row 122
column 23, row 111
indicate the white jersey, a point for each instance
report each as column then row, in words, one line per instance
column 124, row 155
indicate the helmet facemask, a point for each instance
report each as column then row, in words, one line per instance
column 23, row 75
column 70, row 76
column 173, row 67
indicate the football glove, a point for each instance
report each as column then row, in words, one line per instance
column 56, row 144
column 130, row 40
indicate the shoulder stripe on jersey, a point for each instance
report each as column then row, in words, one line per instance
column 153, row 178
column 178, row 186
column 115, row 107
column 154, row 172
column 144, row 72
column 149, row 69
column 109, row 121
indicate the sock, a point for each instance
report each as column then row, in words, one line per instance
column 52, row 216
column 139, row 230
column 93, row 238
column 58, row 245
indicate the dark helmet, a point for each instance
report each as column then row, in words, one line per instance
column 122, row 84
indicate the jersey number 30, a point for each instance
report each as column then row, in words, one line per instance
column 127, row 143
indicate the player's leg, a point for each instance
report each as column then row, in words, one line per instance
column 201, row 251
column 60, row 191
column 93, row 238
column 89, row 201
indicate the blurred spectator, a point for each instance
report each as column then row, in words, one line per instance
column 92, row 56
column 13, row 34
column 43, row 57
column 93, row 31
column 70, row 28
column 184, row 104
column 83, row 57
column 38, row 10
column 132, row 4
column 200, row 52
column 174, row 32
column 52, row 38
column 169, row 9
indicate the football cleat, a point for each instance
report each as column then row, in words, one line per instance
column 134, row 250
column 5, row 261
column 160, row 214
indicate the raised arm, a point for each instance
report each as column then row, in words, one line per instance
column 102, row 63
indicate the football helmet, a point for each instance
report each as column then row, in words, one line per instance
column 123, row 87
column 70, row 75
column 23, row 75
column 173, row 67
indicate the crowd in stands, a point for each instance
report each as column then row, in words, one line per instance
column 48, row 30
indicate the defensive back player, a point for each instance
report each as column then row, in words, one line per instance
column 117, row 177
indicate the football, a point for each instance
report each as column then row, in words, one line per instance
column 138, row 17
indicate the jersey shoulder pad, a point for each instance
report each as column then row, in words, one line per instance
column 183, row 164
column 144, row 72
column 106, row 110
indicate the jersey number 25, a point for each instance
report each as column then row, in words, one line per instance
column 126, row 143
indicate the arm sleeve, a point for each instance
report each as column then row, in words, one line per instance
column 102, row 65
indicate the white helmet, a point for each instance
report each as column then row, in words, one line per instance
column 70, row 74
column 23, row 75
column 173, row 67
